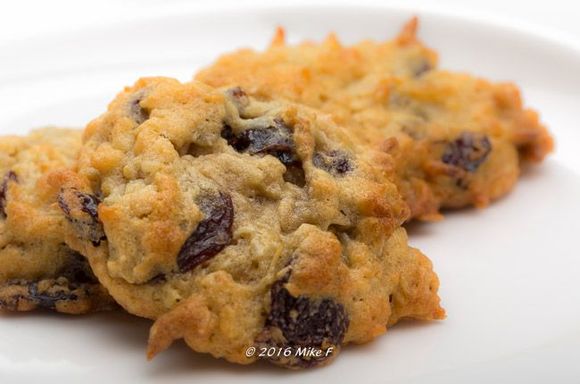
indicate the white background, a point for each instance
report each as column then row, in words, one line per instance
column 29, row 18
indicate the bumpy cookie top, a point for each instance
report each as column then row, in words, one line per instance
column 345, row 81
column 395, row 99
column 237, row 223
column 37, row 269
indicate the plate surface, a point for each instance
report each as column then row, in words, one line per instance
column 509, row 274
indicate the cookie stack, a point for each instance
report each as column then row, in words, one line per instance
column 260, row 205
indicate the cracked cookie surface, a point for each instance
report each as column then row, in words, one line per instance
column 236, row 223
column 37, row 268
column 394, row 98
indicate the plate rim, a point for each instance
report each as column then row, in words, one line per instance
column 486, row 19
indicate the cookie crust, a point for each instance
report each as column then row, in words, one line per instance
column 220, row 224
column 394, row 98
column 37, row 268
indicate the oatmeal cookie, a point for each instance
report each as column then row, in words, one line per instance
column 37, row 269
column 457, row 140
column 236, row 223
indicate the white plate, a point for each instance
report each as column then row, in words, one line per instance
column 509, row 273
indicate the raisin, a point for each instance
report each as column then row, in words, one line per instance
column 239, row 97
column 17, row 295
column 212, row 234
column 8, row 177
column 89, row 204
column 468, row 151
column 48, row 299
column 136, row 111
column 411, row 131
column 335, row 162
column 237, row 92
column 80, row 209
column 295, row 174
column 306, row 322
column 158, row 279
column 228, row 134
column 275, row 140
column 421, row 67
column 77, row 270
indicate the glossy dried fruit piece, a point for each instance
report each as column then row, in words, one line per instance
column 212, row 234
column 239, row 97
column 55, row 294
column 77, row 270
column 158, row 279
column 335, row 162
column 48, row 299
column 306, row 323
column 80, row 209
column 275, row 140
column 8, row 177
column 73, row 289
column 136, row 111
column 39, row 297
column 421, row 67
column 468, row 151
column 295, row 174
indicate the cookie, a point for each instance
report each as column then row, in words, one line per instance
column 457, row 140
column 235, row 224
column 37, row 268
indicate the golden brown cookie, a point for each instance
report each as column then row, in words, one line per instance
column 37, row 269
column 235, row 224
column 457, row 140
